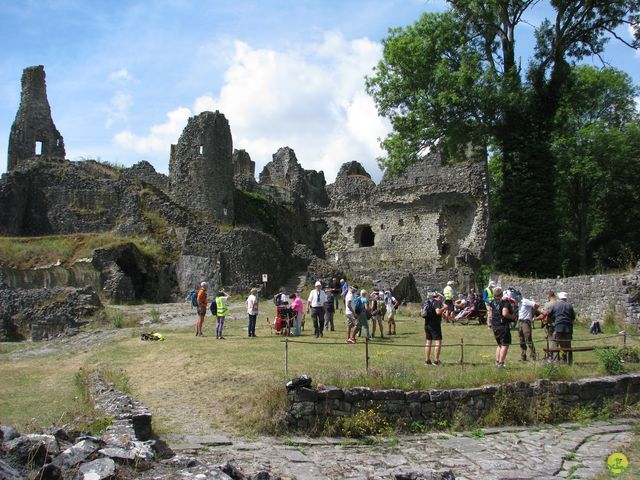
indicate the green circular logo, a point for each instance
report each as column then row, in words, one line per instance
column 617, row 463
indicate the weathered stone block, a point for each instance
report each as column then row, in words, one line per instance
column 357, row 394
column 388, row 395
column 418, row 396
column 439, row 395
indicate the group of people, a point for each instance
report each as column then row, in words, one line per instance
column 219, row 308
column 505, row 308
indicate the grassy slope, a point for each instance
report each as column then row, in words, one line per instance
column 203, row 384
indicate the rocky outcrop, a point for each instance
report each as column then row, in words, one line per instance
column 42, row 313
column 33, row 133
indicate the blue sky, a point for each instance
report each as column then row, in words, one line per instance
column 124, row 76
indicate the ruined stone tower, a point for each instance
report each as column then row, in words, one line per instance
column 33, row 132
column 201, row 167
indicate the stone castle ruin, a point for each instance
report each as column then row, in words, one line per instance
column 214, row 220
column 33, row 133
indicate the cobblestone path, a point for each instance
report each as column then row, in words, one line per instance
column 567, row 450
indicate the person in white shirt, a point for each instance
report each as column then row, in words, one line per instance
column 392, row 305
column 252, row 311
column 525, row 315
column 351, row 317
column 315, row 303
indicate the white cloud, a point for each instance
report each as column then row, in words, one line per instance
column 310, row 98
column 159, row 138
column 121, row 75
column 118, row 107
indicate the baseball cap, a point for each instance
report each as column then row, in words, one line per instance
column 562, row 295
column 204, row 284
column 318, row 283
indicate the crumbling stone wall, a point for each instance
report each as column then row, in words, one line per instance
column 201, row 167
column 431, row 221
column 593, row 296
column 33, row 122
column 311, row 408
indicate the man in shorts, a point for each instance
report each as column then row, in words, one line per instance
column 202, row 307
column 433, row 329
column 352, row 322
column 500, row 313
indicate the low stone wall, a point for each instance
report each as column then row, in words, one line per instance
column 311, row 408
column 592, row 296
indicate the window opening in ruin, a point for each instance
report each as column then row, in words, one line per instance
column 58, row 142
column 348, row 229
column 416, row 218
column 400, row 222
column 201, row 150
column 382, row 226
column 38, row 148
column 444, row 250
column 364, row 236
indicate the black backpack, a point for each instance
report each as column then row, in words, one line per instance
column 214, row 308
column 428, row 311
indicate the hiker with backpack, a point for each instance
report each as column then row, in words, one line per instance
column 329, row 310
column 432, row 311
column 377, row 311
column 500, row 314
column 201, row 302
column 221, row 311
column 362, row 311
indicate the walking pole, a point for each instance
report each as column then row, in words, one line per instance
column 366, row 352
column 461, row 351
column 286, row 357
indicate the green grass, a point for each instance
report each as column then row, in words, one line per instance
column 236, row 385
column 30, row 252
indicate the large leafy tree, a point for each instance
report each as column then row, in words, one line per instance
column 597, row 146
column 454, row 77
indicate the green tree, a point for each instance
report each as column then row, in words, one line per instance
column 597, row 146
column 452, row 78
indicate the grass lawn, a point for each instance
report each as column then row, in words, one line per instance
column 196, row 385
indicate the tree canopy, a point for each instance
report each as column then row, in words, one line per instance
column 454, row 77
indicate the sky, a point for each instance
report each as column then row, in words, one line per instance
column 123, row 76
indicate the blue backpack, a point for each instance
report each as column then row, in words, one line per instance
column 193, row 296
column 358, row 307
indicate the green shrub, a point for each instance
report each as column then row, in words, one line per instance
column 547, row 410
column 155, row 315
column 508, row 409
column 117, row 319
column 550, row 371
column 581, row 413
column 611, row 360
column 630, row 354
column 364, row 422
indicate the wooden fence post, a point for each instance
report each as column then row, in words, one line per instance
column 461, row 351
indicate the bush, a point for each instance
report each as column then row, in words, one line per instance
column 581, row 413
column 611, row 360
column 155, row 315
column 547, row 410
column 117, row 320
column 630, row 354
column 365, row 422
column 508, row 409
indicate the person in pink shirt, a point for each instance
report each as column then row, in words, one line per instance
column 297, row 307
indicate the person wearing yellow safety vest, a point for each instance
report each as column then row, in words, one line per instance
column 222, row 310
column 487, row 294
column 449, row 293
